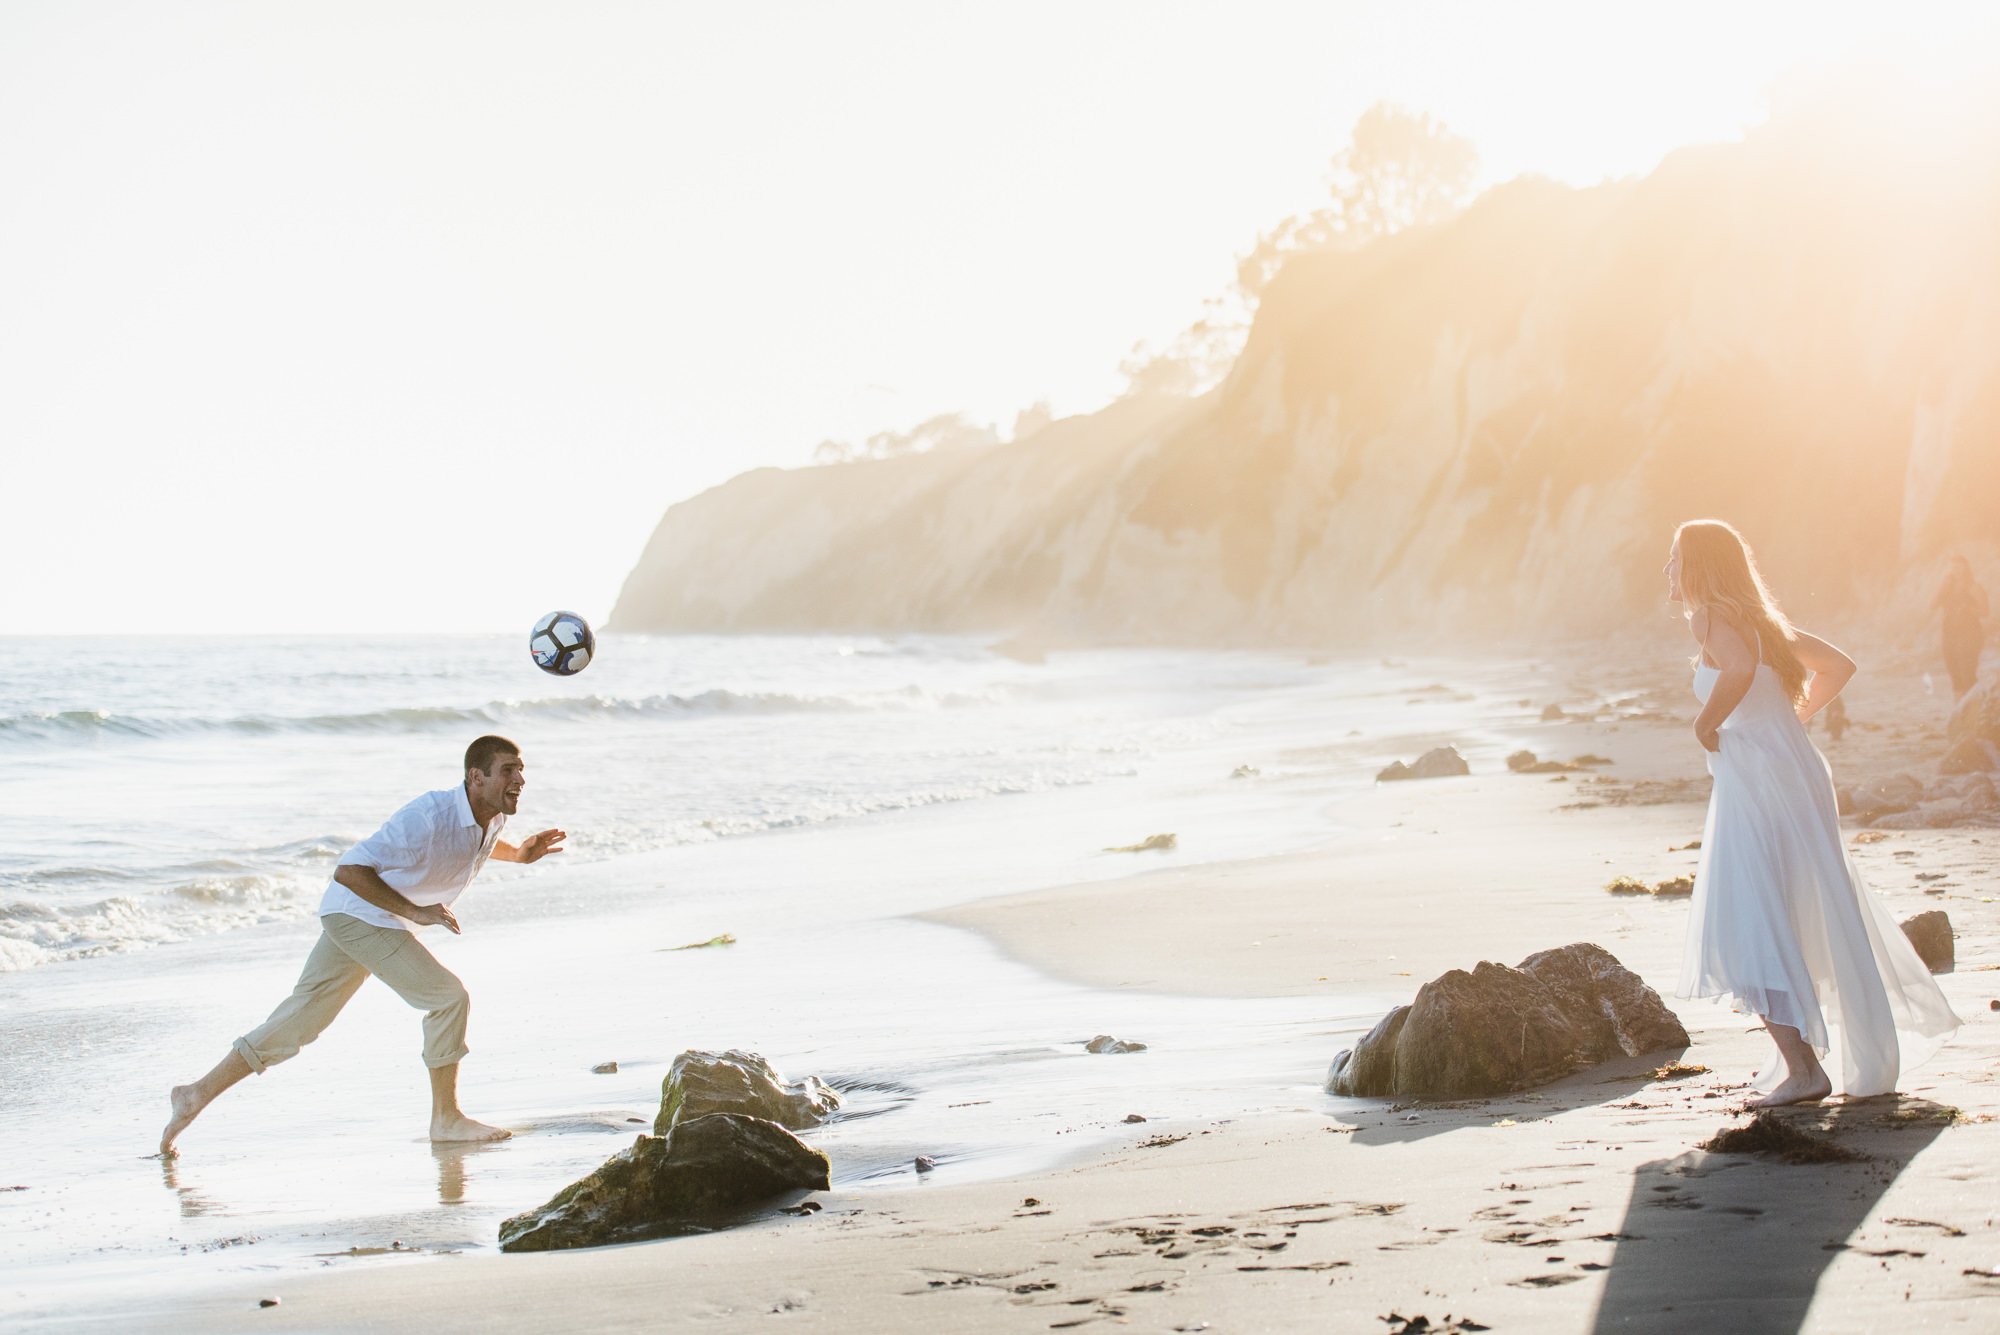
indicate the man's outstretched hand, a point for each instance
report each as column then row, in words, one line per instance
column 537, row 846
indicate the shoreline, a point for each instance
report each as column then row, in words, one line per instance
column 1536, row 1210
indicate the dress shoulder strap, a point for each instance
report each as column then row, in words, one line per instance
column 1756, row 637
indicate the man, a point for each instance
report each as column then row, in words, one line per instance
column 400, row 878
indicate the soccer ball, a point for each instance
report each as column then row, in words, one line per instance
column 562, row 644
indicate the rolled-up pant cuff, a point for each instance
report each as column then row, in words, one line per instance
column 451, row 1058
column 249, row 1055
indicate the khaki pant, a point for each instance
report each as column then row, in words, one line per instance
column 347, row 952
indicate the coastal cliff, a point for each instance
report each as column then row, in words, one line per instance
column 1494, row 422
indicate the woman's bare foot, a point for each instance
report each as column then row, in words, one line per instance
column 1796, row 1089
column 457, row 1128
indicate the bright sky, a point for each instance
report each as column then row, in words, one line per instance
column 415, row 316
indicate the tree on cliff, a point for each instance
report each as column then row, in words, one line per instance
column 943, row 432
column 1196, row 358
column 1400, row 169
column 1032, row 420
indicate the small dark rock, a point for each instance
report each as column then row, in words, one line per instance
column 1930, row 933
column 925, row 1163
column 700, row 1083
column 1132, row 1118
column 269, row 1302
column 708, row 1168
column 605, row 1068
column 1104, row 1043
column 1524, row 762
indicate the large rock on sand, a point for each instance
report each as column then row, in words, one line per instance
column 1885, row 795
column 1971, row 755
column 1441, row 762
column 1930, row 933
column 1977, row 714
column 709, row 1168
column 1498, row 1029
column 700, row 1083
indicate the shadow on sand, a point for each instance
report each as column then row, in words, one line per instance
column 1381, row 1122
column 1736, row 1242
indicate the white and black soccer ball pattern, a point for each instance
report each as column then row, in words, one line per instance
column 562, row 643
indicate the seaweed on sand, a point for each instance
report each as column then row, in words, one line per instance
column 1767, row 1134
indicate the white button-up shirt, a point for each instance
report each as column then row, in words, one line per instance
column 428, row 852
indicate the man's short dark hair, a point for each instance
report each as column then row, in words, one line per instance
column 485, row 750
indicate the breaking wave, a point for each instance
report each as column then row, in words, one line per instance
column 78, row 725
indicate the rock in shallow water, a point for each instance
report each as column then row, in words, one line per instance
column 700, row 1083
column 1106, row 1043
column 1497, row 1029
column 709, row 1167
column 1152, row 843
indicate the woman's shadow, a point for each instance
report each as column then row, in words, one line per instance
column 1737, row 1242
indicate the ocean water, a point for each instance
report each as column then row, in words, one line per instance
column 170, row 811
column 153, row 790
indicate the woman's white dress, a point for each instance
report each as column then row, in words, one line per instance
column 1781, row 919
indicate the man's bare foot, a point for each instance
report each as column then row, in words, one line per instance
column 459, row 1129
column 187, row 1104
column 1796, row 1089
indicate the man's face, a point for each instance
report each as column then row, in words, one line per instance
column 500, row 786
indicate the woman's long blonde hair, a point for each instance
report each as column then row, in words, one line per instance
column 1719, row 573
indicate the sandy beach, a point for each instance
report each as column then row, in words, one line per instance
column 1584, row 1205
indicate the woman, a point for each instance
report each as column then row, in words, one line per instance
column 1781, row 919
column 1963, row 603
